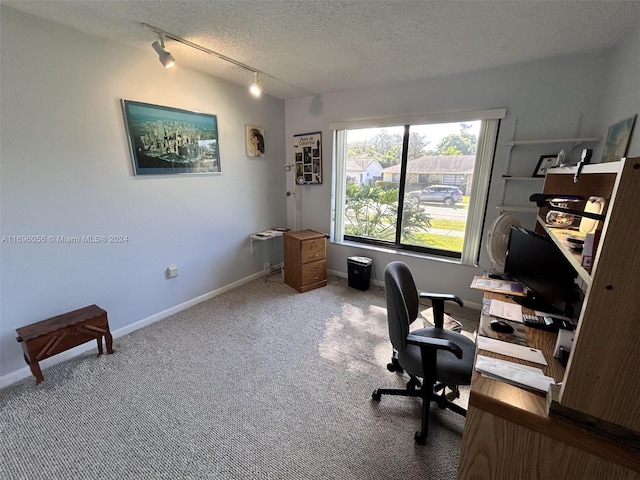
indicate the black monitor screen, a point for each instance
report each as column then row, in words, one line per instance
column 535, row 261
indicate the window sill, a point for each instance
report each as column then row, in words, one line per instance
column 394, row 251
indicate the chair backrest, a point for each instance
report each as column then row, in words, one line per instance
column 402, row 302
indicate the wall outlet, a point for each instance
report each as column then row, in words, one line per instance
column 266, row 266
column 172, row 271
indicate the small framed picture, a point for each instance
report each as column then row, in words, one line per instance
column 254, row 141
column 545, row 162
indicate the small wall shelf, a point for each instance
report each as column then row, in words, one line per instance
column 575, row 141
column 570, row 143
column 508, row 177
column 516, row 208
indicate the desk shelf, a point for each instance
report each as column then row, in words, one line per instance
column 559, row 237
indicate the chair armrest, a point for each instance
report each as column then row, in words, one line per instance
column 435, row 343
column 442, row 297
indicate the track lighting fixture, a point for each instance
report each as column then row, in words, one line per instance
column 256, row 87
column 166, row 59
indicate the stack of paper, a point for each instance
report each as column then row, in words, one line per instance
column 510, row 311
column 519, row 375
column 507, row 287
column 267, row 234
column 511, row 350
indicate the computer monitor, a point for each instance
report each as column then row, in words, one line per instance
column 535, row 261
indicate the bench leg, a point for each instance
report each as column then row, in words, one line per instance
column 35, row 370
column 108, row 340
column 99, row 341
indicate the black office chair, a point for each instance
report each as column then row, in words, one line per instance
column 439, row 356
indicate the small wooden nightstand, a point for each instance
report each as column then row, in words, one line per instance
column 305, row 260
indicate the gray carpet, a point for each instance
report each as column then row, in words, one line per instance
column 258, row 383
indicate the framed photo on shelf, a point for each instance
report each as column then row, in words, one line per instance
column 308, row 158
column 166, row 140
column 254, row 141
column 618, row 139
column 545, row 162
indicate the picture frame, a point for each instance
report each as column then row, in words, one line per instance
column 618, row 140
column 308, row 158
column 254, row 142
column 166, row 140
column 545, row 162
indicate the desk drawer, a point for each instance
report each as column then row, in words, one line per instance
column 312, row 250
column 313, row 272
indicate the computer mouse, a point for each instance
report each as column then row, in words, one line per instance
column 501, row 327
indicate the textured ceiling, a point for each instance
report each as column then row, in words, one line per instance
column 316, row 46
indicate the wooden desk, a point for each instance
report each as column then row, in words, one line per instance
column 510, row 435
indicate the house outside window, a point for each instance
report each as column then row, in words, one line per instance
column 426, row 200
column 363, row 170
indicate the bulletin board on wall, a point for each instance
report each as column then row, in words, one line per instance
column 308, row 158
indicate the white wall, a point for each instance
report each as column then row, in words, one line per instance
column 547, row 98
column 622, row 95
column 66, row 170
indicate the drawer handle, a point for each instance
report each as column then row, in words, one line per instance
column 315, row 278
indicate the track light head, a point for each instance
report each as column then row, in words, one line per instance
column 256, row 87
column 166, row 59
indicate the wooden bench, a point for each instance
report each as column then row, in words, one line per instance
column 56, row 334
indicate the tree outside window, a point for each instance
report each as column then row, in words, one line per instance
column 421, row 202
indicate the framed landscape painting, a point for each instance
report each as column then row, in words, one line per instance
column 618, row 138
column 165, row 140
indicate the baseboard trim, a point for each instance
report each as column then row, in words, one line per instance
column 25, row 372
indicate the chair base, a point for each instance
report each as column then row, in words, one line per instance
column 440, row 399
column 394, row 364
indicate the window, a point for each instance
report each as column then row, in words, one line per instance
column 432, row 194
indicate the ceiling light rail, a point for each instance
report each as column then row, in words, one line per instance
column 159, row 48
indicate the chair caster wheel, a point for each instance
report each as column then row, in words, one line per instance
column 376, row 396
column 394, row 366
column 453, row 394
column 419, row 438
column 413, row 383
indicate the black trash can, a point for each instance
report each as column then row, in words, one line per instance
column 359, row 269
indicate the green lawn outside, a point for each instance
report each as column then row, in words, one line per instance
column 442, row 224
column 442, row 242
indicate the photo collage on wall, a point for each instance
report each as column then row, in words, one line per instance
column 308, row 158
